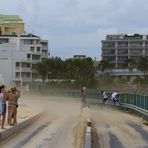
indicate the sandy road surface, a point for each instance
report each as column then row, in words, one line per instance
column 56, row 128
column 119, row 130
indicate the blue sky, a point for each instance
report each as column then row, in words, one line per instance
column 78, row 26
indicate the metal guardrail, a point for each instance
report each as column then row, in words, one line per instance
column 133, row 107
column 141, row 111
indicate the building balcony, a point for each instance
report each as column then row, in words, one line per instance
column 36, row 53
column 108, row 54
column 136, row 47
column 122, row 47
column 29, row 60
column 122, row 54
column 136, row 54
column 32, row 45
column 45, row 48
column 44, row 56
column 23, row 69
column 108, row 47
column 34, row 61
column 121, row 61
column 22, row 79
column 112, row 62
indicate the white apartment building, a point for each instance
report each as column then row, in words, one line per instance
column 18, row 57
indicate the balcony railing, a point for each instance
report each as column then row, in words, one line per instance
column 136, row 47
column 22, row 78
column 34, row 61
column 121, row 61
column 136, row 54
column 112, row 62
column 37, row 52
column 122, row 54
column 108, row 54
column 23, row 69
column 108, row 47
column 44, row 56
column 122, row 46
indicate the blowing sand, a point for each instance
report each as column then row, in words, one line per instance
column 62, row 119
column 112, row 123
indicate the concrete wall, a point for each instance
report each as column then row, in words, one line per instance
column 8, row 60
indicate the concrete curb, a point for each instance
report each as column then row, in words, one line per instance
column 10, row 131
column 88, row 135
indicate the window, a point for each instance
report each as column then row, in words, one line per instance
column 17, row 64
column 38, row 49
column 32, row 49
column 28, row 56
column 17, row 74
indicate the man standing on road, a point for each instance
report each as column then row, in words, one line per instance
column 83, row 97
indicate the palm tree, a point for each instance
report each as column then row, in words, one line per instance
column 104, row 65
column 42, row 69
column 143, row 65
column 130, row 63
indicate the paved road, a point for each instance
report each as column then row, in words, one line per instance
column 55, row 130
column 119, row 130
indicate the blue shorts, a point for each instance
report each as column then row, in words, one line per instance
column 4, row 109
column 115, row 100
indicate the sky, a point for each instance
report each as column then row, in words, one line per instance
column 75, row 27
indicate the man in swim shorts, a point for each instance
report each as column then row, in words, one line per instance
column 1, row 98
column 4, row 106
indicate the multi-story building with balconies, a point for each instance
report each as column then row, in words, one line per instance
column 118, row 49
column 19, row 56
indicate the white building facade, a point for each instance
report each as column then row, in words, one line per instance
column 19, row 56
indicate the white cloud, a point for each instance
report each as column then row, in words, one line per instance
column 79, row 24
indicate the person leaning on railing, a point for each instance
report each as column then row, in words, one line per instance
column 115, row 98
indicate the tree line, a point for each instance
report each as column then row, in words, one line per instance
column 77, row 69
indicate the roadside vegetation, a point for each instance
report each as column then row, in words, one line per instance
column 73, row 73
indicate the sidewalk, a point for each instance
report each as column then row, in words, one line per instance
column 26, row 115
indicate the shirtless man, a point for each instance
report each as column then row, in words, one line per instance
column 18, row 96
column 83, row 98
column 12, row 104
column 4, row 106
